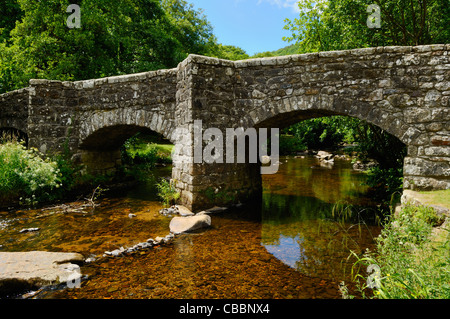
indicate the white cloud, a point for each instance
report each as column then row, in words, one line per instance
column 283, row 4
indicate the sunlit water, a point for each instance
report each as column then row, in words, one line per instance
column 292, row 245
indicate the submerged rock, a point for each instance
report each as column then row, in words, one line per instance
column 180, row 225
column 29, row 230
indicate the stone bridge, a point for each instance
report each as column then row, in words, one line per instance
column 403, row 90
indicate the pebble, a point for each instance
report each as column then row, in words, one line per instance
column 158, row 240
column 131, row 215
column 174, row 210
column 89, row 260
column 140, row 246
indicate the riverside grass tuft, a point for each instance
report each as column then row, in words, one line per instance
column 413, row 263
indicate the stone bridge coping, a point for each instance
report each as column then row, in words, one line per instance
column 282, row 60
column 19, row 91
column 266, row 61
column 90, row 84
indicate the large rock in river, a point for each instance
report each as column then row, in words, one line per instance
column 180, row 225
column 36, row 269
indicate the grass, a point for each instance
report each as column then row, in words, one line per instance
column 412, row 263
column 147, row 149
column 440, row 198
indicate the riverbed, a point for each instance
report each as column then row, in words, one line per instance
column 294, row 244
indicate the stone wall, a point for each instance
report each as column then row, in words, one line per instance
column 93, row 118
column 14, row 110
column 403, row 90
column 207, row 89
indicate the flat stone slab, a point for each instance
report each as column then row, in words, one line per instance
column 37, row 268
column 180, row 225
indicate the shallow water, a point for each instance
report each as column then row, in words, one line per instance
column 291, row 245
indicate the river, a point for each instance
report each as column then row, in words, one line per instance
column 295, row 244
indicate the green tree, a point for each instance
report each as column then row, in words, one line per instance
column 116, row 37
column 325, row 25
column 192, row 29
column 10, row 12
column 230, row 52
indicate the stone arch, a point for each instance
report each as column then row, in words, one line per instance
column 120, row 122
column 285, row 112
column 103, row 134
column 286, row 119
column 281, row 120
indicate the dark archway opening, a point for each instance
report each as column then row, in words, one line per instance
column 320, row 206
column 369, row 148
column 134, row 155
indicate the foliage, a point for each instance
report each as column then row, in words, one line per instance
column 324, row 132
column 10, row 13
column 25, row 173
column 230, row 52
column 377, row 144
column 386, row 184
column 147, row 150
column 140, row 154
column 167, row 192
column 290, row 145
column 327, row 25
column 193, row 31
column 116, row 37
column 413, row 263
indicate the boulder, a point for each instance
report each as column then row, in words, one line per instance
column 184, row 211
column 36, row 269
column 180, row 225
column 324, row 156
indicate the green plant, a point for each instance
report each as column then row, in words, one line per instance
column 412, row 263
column 167, row 192
column 290, row 145
column 26, row 174
column 386, row 183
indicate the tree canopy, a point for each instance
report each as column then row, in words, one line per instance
column 116, row 37
column 325, row 25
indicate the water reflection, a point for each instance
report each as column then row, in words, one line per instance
column 261, row 250
column 300, row 225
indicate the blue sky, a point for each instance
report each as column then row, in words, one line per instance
column 253, row 25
